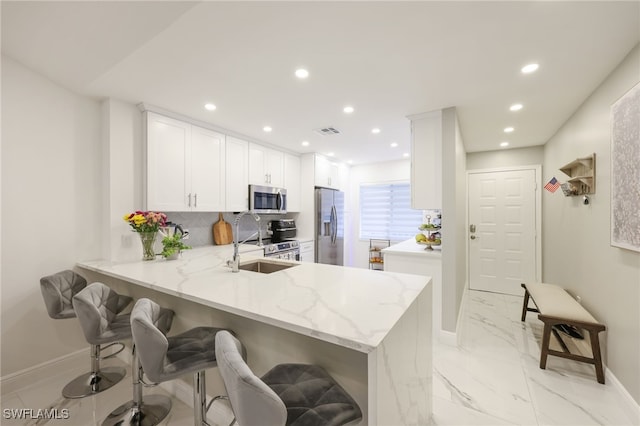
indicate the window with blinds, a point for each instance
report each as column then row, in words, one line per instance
column 385, row 212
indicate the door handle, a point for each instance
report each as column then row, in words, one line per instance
column 473, row 237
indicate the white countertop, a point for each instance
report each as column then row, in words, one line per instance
column 350, row 307
column 412, row 248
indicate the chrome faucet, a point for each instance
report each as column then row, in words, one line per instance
column 234, row 263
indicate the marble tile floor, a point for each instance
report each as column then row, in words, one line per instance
column 491, row 378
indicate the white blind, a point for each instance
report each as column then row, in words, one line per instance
column 385, row 212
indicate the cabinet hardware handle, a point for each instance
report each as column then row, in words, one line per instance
column 266, row 178
column 195, row 200
column 189, row 199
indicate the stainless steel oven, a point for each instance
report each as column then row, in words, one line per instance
column 288, row 250
column 267, row 199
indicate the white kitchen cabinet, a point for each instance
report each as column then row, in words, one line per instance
column 185, row 166
column 426, row 161
column 307, row 251
column 237, row 176
column 292, row 182
column 266, row 166
column 327, row 173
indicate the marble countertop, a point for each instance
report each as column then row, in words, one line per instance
column 410, row 247
column 350, row 307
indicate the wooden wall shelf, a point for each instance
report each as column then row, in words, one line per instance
column 582, row 173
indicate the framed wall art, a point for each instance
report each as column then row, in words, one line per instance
column 625, row 171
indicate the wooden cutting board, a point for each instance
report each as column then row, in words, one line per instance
column 222, row 233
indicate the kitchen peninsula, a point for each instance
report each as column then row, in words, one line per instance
column 371, row 330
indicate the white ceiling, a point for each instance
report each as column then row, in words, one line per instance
column 386, row 59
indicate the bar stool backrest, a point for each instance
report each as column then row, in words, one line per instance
column 151, row 343
column 58, row 291
column 253, row 402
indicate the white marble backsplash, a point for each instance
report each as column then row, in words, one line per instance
column 200, row 225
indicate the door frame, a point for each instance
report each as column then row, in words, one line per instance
column 537, row 168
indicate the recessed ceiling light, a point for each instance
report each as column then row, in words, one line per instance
column 375, row 130
column 528, row 69
column 515, row 107
column 394, row 144
column 508, row 129
column 406, row 154
column 349, row 161
column 305, row 143
column 302, row 73
column 267, row 129
column 209, row 107
column 348, row 109
column 503, row 144
column 331, row 154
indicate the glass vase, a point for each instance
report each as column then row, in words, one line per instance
column 148, row 239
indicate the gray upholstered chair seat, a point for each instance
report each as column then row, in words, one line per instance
column 190, row 351
column 311, row 395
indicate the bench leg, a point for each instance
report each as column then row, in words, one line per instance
column 546, row 337
column 597, row 357
column 525, row 305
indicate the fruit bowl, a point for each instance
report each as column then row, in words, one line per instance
column 428, row 227
column 429, row 244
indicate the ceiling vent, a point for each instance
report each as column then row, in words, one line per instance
column 327, row 131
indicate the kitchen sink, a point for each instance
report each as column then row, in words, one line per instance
column 265, row 267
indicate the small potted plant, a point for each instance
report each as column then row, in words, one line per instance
column 172, row 246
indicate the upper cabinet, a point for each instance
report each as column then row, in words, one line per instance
column 292, row 182
column 266, row 166
column 327, row 173
column 185, row 166
column 237, row 185
column 426, row 161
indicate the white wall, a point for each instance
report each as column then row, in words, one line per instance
column 356, row 250
column 454, row 208
column 51, row 208
column 576, row 249
column 505, row 158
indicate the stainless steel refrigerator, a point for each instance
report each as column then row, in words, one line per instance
column 329, row 226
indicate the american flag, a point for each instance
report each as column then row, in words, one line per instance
column 553, row 185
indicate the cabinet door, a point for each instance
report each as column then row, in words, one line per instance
column 275, row 167
column 237, row 180
column 167, row 177
column 322, row 172
column 257, row 171
column 307, row 251
column 207, row 170
column 292, row 182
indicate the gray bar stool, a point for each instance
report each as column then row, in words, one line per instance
column 153, row 408
column 166, row 358
column 58, row 291
column 99, row 310
column 289, row 394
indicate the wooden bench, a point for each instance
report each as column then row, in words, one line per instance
column 555, row 306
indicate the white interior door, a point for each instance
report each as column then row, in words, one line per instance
column 502, row 230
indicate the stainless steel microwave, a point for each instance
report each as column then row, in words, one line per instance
column 267, row 199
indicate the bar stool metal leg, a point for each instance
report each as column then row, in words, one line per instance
column 148, row 412
column 199, row 399
column 97, row 380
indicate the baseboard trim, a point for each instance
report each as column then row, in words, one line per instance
column 448, row 338
column 44, row 368
column 632, row 408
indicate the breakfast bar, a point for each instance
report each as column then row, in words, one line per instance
column 371, row 330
